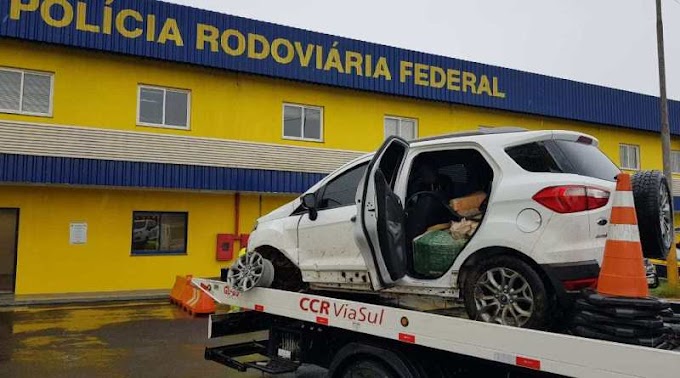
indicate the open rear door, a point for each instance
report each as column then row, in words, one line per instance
column 380, row 224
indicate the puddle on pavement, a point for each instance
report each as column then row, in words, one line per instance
column 73, row 319
column 69, row 337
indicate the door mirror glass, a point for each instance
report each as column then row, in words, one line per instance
column 309, row 201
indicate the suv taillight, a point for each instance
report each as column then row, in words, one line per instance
column 572, row 198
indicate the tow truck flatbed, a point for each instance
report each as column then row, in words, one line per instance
column 410, row 336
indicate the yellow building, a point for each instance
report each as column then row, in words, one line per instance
column 137, row 137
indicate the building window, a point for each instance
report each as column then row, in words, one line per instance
column 675, row 161
column 302, row 122
column 159, row 233
column 406, row 128
column 630, row 156
column 26, row 92
column 163, row 107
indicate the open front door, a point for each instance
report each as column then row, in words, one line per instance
column 381, row 237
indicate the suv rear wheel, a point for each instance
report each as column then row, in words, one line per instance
column 505, row 290
column 654, row 208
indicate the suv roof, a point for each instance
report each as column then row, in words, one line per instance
column 501, row 135
column 482, row 131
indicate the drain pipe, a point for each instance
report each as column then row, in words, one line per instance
column 237, row 216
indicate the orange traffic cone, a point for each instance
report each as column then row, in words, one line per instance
column 623, row 271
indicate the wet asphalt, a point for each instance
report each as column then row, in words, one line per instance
column 144, row 339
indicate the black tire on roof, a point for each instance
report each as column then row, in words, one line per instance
column 649, row 189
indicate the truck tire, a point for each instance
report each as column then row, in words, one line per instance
column 367, row 368
column 505, row 290
column 654, row 208
column 365, row 360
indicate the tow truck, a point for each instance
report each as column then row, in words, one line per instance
column 360, row 337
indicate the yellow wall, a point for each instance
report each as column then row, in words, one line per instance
column 100, row 90
column 47, row 263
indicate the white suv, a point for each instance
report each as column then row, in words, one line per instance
column 386, row 223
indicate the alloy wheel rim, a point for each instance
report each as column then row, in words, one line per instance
column 246, row 272
column 504, row 296
column 665, row 217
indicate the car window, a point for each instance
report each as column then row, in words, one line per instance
column 563, row 156
column 456, row 173
column 341, row 190
column 391, row 161
column 588, row 160
column 534, row 157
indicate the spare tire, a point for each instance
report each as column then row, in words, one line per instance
column 654, row 208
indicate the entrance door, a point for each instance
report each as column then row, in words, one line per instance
column 9, row 227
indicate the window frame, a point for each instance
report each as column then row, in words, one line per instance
column 637, row 154
column 678, row 159
column 135, row 253
column 302, row 122
column 322, row 191
column 399, row 119
column 23, row 73
column 165, row 93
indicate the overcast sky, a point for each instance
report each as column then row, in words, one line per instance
column 605, row 42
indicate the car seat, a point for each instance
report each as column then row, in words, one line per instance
column 426, row 204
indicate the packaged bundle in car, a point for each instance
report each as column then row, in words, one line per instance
column 464, row 229
column 434, row 252
column 468, row 206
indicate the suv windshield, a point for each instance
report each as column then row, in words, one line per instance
column 562, row 156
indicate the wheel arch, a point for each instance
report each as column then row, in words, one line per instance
column 486, row 252
column 287, row 275
column 270, row 251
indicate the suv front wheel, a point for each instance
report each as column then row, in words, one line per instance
column 505, row 290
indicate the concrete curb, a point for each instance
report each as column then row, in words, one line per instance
column 84, row 298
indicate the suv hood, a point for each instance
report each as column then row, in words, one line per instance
column 281, row 212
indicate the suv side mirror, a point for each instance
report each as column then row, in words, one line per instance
column 309, row 203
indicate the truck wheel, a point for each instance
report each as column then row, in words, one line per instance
column 505, row 290
column 365, row 368
column 654, row 207
column 358, row 359
column 249, row 271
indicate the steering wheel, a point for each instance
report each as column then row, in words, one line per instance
column 453, row 213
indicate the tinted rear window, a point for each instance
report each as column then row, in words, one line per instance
column 534, row 157
column 588, row 160
column 561, row 156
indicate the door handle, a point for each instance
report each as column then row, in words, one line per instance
column 602, row 222
column 353, row 218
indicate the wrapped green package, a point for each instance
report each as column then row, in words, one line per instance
column 434, row 252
